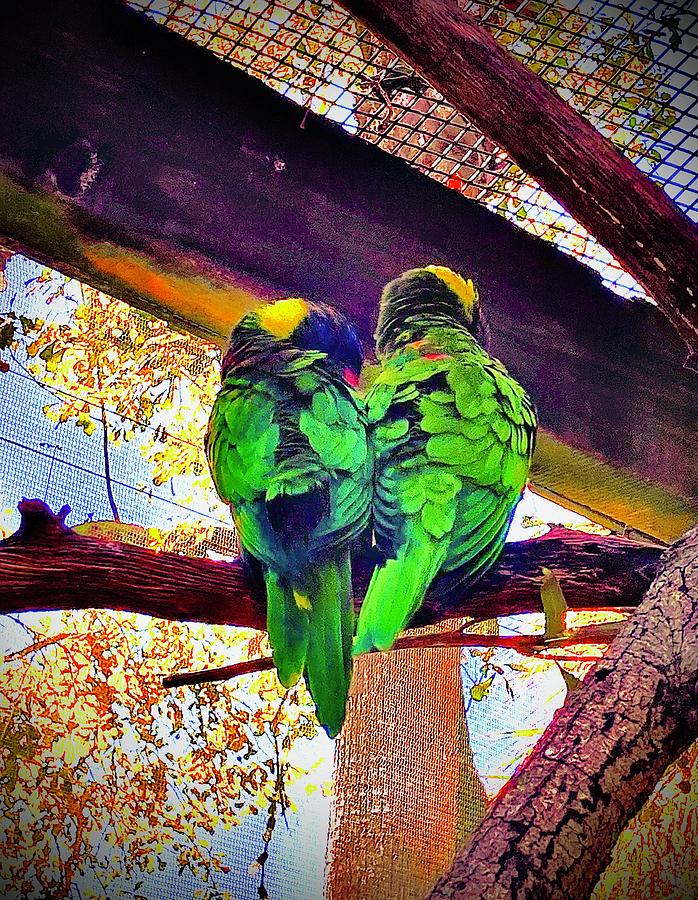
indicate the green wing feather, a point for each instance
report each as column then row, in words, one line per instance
column 288, row 626
column 394, row 594
column 331, row 631
column 453, row 436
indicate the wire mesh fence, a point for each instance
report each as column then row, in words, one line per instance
column 628, row 67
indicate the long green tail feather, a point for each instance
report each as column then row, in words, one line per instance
column 288, row 628
column 331, row 626
column 395, row 592
column 347, row 615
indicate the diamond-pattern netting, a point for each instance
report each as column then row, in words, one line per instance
column 629, row 67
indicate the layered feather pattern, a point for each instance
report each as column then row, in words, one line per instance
column 288, row 450
column 453, row 436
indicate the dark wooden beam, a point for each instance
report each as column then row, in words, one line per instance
column 628, row 213
column 136, row 160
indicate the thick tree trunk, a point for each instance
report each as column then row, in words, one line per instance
column 551, row 832
column 45, row 565
column 396, row 826
column 629, row 214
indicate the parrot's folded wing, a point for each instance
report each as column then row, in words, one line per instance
column 453, row 436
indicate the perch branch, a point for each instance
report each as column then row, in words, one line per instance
column 46, row 566
column 529, row 644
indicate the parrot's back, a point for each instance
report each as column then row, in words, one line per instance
column 453, row 434
column 295, row 468
column 288, row 450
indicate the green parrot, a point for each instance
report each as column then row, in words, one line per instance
column 453, row 437
column 288, row 449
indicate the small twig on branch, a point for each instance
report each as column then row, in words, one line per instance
column 528, row 644
column 105, row 444
column 107, row 466
column 222, row 673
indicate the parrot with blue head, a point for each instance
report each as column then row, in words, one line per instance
column 288, row 450
column 453, row 436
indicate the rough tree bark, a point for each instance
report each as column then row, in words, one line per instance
column 629, row 214
column 396, row 827
column 46, row 566
column 550, row 833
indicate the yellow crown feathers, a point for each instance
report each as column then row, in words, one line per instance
column 282, row 317
column 464, row 289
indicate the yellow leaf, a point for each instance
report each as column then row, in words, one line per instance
column 571, row 680
column 480, row 690
column 117, row 680
column 70, row 748
column 554, row 605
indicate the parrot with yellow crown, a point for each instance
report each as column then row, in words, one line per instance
column 453, row 435
column 288, row 450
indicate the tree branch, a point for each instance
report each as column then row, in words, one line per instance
column 551, row 831
column 46, row 566
column 529, row 644
column 630, row 215
column 107, row 466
